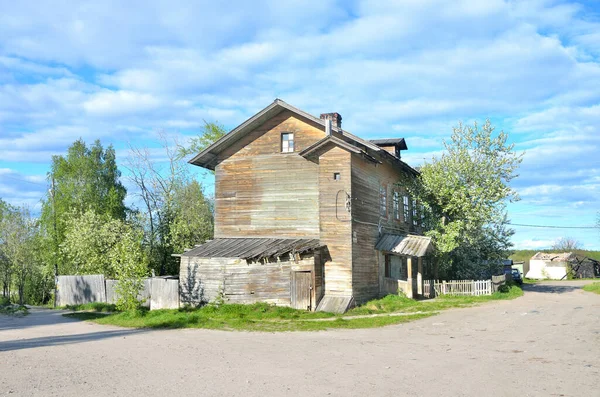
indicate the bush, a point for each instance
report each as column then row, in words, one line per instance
column 4, row 301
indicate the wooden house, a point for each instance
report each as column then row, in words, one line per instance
column 306, row 215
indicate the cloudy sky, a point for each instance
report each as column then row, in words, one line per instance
column 121, row 71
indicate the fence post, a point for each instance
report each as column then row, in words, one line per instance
column 444, row 287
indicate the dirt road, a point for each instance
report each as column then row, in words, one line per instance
column 546, row 343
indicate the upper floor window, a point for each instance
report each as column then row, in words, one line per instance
column 383, row 201
column 396, row 205
column 415, row 216
column 287, row 142
column 405, row 201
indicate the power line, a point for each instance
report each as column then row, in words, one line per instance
column 555, row 227
column 21, row 180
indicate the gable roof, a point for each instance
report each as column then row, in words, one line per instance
column 390, row 142
column 323, row 145
column 208, row 157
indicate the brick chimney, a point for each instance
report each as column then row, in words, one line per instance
column 336, row 119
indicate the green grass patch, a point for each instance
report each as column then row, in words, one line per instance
column 13, row 310
column 266, row 317
column 395, row 303
column 593, row 287
column 100, row 307
column 160, row 319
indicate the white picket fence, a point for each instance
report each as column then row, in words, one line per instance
column 433, row 288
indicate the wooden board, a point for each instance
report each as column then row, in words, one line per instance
column 301, row 290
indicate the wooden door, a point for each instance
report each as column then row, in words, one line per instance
column 301, row 290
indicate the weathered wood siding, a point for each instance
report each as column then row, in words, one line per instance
column 238, row 281
column 260, row 191
column 335, row 220
column 367, row 267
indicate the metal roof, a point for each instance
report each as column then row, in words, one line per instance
column 252, row 248
column 390, row 142
column 409, row 245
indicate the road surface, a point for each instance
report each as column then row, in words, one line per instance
column 546, row 343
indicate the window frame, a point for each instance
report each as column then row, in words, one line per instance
column 415, row 215
column 287, row 141
column 396, row 205
column 406, row 208
column 383, row 205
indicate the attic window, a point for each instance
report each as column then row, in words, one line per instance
column 287, row 142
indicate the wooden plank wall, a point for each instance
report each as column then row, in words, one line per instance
column 204, row 279
column 367, row 267
column 260, row 191
column 335, row 221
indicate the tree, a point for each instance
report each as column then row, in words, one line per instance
column 566, row 244
column 100, row 244
column 86, row 178
column 211, row 132
column 17, row 232
column 175, row 210
column 464, row 193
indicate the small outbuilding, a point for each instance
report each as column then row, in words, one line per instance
column 284, row 272
column 552, row 266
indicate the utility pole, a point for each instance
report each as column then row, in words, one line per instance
column 54, row 248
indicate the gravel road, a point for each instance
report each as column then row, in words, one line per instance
column 546, row 343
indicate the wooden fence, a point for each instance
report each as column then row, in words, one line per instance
column 433, row 288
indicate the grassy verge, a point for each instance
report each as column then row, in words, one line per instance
column 99, row 307
column 12, row 310
column 265, row 317
column 593, row 287
column 394, row 303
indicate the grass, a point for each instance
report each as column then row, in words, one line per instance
column 9, row 309
column 395, row 303
column 99, row 307
column 593, row 287
column 265, row 317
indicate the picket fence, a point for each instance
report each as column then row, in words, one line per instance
column 433, row 288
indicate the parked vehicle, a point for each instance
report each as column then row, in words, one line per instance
column 516, row 276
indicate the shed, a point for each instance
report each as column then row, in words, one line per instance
column 549, row 265
column 285, row 272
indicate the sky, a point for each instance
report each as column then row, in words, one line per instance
column 122, row 72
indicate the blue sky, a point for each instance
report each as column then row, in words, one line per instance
column 122, row 71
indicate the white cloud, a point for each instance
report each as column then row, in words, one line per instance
column 119, row 71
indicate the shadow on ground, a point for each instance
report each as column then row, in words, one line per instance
column 550, row 288
column 21, row 344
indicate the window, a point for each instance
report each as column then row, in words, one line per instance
column 415, row 217
column 287, row 142
column 422, row 209
column 336, row 176
column 388, row 267
column 396, row 205
column 406, row 209
column 383, row 201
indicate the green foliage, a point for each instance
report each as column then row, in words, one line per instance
column 99, row 307
column 176, row 213
column 87, row 178
column 211, row 132
column 593, row 287
column 14, row 310
column 96, row 244
column 18, row 231
column 464, row 193
column 193, row 217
